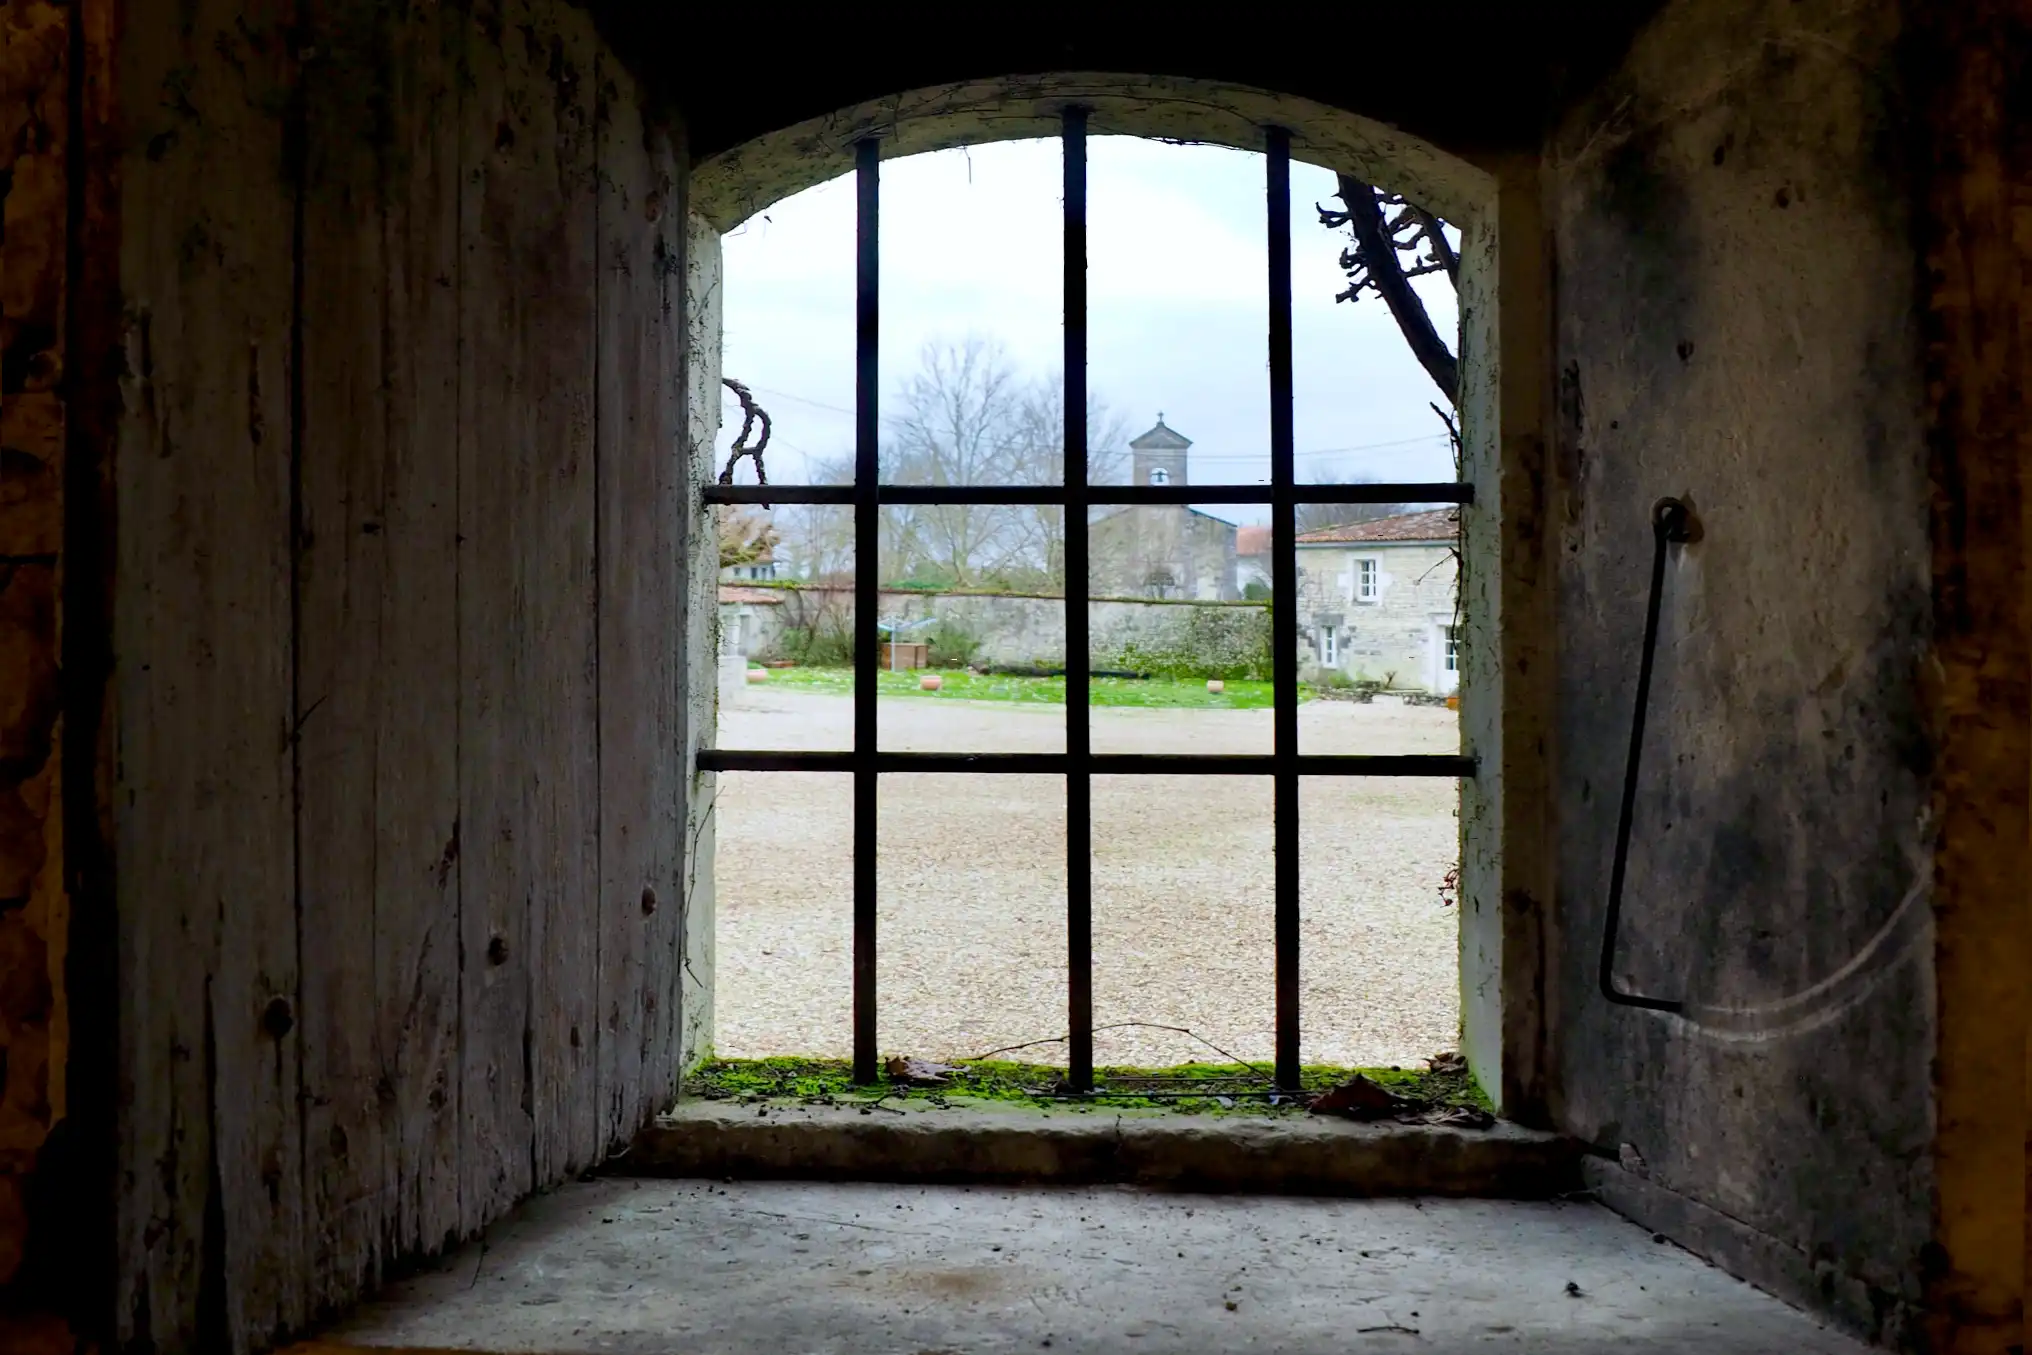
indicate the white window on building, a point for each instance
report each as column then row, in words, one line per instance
column 1330, row 648
column 1159, row 476
column 1453, row 649
column 1368, row 580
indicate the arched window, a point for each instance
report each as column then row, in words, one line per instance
column 871, row 137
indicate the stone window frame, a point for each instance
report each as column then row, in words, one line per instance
column 1507, row 417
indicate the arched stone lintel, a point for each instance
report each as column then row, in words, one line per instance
column 731, row 187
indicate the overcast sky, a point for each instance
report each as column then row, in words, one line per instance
column 1177, row 302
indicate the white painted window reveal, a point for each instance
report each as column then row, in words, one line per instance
column 1368, row 580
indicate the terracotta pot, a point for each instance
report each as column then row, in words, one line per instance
column 758, row 675
column 1453, row 703
column 931, row 682
column 1216, row 686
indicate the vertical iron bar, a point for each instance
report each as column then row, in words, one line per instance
column 1283, row 600
column 867, row 564
column 1670, row 523
column 1079, row 862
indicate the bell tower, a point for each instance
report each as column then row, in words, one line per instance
column 1160, row 456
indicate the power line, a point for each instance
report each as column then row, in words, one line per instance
column 802, row 400
column 1427, row 439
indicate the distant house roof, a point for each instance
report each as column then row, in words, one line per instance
column 1161, row 438
column 1252, row 541
column 1436, row 524
column 735, row 593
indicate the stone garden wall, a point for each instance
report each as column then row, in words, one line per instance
column 996, row 629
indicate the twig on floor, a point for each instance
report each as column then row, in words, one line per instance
column 876, row 1104
column 479, row 1262
column 1125, row 1025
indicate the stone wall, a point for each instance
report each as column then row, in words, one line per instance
column 1735, row 308
column 1029, row 631
column 35, row 134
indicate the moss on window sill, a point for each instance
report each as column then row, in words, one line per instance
column 1188, row 1089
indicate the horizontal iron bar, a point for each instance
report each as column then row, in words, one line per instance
column 1442, row 491
column 1099, row 764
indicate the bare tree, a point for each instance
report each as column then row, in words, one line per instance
column 1388, row 235
column 956, row 424
column 1041, row 461
column 967, row 416
column 818, row 538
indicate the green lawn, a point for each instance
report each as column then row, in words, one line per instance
column 964, row 686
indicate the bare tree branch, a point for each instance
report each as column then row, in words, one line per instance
column 1374, row 264
column 1452, row 435
column 1442, row 250
column 1385, row 258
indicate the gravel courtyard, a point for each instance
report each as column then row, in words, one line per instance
column 972, row 871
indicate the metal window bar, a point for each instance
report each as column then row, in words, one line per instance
column 1079, row 783
column 1079, row 763
column 1284, row 610
column 867, row 600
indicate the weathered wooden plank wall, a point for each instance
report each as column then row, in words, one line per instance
column 558, row 753
column 403, row 507
column 208, row 965
column 497, row 821
column 417, row 941
column 377, row 642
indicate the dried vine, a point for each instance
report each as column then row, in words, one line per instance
column 752, row 414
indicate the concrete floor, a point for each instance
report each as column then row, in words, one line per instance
column 785, row 1268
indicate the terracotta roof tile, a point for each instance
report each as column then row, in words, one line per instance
column 1436, row 524
column 1252, row 541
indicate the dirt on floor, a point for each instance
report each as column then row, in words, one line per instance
column 972, row 929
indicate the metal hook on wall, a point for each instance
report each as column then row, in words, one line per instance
column 1672, row 523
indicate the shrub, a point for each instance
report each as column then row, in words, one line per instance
column 815, row 646
column 1230, row 643
column 953, row 645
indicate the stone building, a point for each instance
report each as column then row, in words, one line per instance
column 1253, row 560
column 1160, row 550
column 1377, row 599
column 356, row 834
